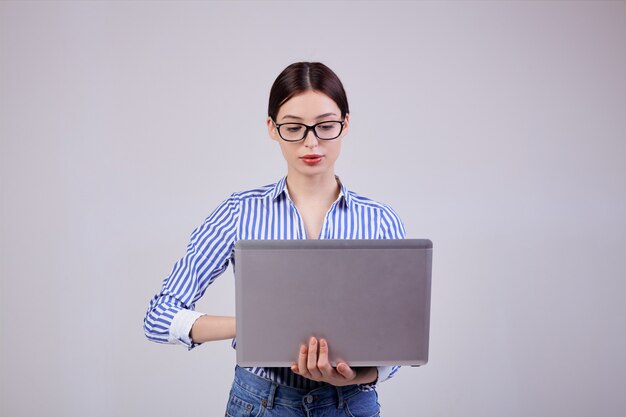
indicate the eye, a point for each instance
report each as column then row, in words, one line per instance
column 293, row 128
column 327, row 126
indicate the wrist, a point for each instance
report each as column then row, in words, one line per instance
column 367, row 375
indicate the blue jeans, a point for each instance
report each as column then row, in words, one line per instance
column 252, row 395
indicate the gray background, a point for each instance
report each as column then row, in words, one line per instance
column 496, row 129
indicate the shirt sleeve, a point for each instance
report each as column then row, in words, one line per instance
column 391, row 227
column 386, row 372
column 171, row 314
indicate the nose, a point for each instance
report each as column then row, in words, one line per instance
column 310, row 140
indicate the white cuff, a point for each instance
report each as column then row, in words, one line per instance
column 383, row 373
column 181, row 326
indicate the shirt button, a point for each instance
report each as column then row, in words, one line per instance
column 309, row 399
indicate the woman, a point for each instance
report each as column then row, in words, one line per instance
column 308, row 117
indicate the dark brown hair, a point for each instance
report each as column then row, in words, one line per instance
column 300, row 77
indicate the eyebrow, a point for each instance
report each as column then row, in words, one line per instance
column 321, row 116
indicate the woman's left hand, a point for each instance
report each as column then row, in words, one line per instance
column 316, row 366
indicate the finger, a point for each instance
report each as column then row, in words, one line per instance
column 294, row 366
column 345, row 371
column 312, row 360
column 323, row 364
column 302, row 358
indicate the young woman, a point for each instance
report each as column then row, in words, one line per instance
column 308, row 117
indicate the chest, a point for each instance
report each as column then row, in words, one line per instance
column 313, row 219
column 283, row 220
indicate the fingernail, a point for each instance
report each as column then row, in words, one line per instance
column 313, row 341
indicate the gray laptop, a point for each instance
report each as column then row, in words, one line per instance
column 369, row 298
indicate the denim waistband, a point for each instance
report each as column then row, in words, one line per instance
column 271, row 393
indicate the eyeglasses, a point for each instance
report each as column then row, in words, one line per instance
column 295, row 132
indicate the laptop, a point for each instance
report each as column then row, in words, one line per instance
column 370, row 299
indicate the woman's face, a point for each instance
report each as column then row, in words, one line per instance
column 311, row 156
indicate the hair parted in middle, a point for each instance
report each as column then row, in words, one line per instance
column 300, row 77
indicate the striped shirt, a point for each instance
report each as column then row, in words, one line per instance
column 263, row 213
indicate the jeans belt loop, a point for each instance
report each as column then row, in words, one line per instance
column 272, row 395
column 339, row 397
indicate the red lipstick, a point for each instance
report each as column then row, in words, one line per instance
column 311, row 159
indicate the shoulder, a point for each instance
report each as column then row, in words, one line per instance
column 228, row 213
column 391, row 226
column 362, row 201
column 240, row 199
column 262, row 192
column 232, row 205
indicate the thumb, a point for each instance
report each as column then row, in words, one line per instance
column 346, row 371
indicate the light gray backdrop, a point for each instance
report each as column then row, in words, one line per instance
column 496, row 129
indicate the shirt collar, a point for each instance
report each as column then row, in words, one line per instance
column 281, row 188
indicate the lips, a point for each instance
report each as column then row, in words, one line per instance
column 312, row 159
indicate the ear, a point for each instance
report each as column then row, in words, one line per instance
column 346, row 125
column 271, row 129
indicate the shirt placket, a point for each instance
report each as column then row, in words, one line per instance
column 328, row 226
column 298, row 223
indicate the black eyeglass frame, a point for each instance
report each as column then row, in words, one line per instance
column 308, row 128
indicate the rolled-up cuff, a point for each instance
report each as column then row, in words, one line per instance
column 384, row 372
column 181, row 327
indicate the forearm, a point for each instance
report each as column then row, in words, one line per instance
column 210, row 328
column 366, row 375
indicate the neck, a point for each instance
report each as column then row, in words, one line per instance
column 321, row 189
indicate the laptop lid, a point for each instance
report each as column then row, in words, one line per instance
column 370, row 299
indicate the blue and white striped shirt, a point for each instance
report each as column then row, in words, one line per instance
column 263, row 213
